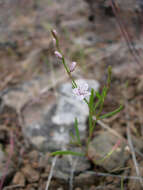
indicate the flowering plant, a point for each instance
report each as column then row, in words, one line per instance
column 80, row 90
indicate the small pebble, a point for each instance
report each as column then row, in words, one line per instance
column 19, row 179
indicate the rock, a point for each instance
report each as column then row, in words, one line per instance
column 19, row 179
column 101, row 145
column 34, row 156
column 66, row 164
column 68, row 109
column 85, row 179
column 17, row 97
column 60, row 188
column 47, row 123
column 31, row 174
column 44, row 161
column 30, row 187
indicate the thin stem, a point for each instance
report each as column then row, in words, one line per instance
column 113, row 175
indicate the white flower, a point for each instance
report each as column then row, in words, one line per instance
column 82, row 90
column 72, row 66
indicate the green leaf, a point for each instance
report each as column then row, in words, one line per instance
column 91, row 99
column 100, row 102
column 112, row 113
column 67, row 153
column 97, row 105
column 98, row 95
column 106, row 88
column 109, row 75
column 91, row 111
column 72, row 136
column 77, row 131
column 104, row 92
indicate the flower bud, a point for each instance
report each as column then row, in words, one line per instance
column 54, row 33
column 72, row 66
column 58, row 54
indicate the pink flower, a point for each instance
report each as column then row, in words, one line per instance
column 72, row 67
column 82, row 90
column 58, row 54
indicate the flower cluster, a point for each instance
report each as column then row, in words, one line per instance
column 82, row 90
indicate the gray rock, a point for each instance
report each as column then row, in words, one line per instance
column 101, row 145
column 85, row 179
column 67, row 164
column 68, row 109
column 31, row 174
column 48, row 122
column 18, row 96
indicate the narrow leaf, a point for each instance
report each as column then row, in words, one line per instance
column 91, row 100
column 112, row 113
column 109, row 76
column 67, row 153
column 104, row 92
column 97, row 104
column 91, row 111
column 73, row 137
column 98, row 95
column 77, row 131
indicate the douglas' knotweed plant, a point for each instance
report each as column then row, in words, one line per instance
column 95, row 108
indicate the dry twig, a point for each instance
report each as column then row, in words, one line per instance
column 51, row 172
column 133, row 154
